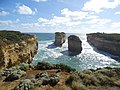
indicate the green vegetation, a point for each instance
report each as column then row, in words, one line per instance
column 93, row 79
column 13, row 36
column 106, row 77
column 110, row 37
column 46, row 66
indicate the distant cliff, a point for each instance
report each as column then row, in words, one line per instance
column 106, row 42
column 16, row 47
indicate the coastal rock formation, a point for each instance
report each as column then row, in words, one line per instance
column 74, row 44
column 16, row 47
column 60, row 38
column 105, row 42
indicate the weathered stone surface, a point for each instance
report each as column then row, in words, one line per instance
column 60, row 38
column 112, row 47
column 16, row 47
column 74, row 44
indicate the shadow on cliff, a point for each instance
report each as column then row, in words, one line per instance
column 51, row 46
column 68, row 53
column 117, row 58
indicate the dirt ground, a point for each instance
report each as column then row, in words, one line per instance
column 31, row 74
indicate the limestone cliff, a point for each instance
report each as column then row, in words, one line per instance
column 16, row 47
column 105, row 42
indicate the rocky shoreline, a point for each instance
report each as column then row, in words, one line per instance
column 106, row 42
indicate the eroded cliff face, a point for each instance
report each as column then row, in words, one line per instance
column 60, row 38
column 14, row 52
column 74, row 44
column 105, row 45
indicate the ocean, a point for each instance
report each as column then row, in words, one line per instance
column 89, row 58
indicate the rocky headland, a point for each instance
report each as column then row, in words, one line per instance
column 106, row 42
column 16, row 47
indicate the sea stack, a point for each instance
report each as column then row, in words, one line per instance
column 16, row 47
column 74, row 45
column 60, row 38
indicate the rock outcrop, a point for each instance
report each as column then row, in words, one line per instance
column 102, row 42
column 16, row 47
column 60, row 38
column 74, row 44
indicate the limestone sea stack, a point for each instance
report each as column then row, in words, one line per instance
column 60, row 38
column 16, row 47
column 74, row 44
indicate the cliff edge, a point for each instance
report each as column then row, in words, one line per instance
column 16, row 47
column 106, row 42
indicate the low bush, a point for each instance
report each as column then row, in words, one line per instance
column 46, row 66
column 43, row 66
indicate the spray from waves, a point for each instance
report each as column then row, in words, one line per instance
column 89, row 58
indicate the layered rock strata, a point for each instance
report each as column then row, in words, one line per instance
column 60, row 38
column 74, row 44
column 101, row 43
column 16, row 47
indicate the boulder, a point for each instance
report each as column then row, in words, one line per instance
column 60, row 38
column 74, row 45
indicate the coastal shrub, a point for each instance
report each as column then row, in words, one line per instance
column 105, row 80
column 88, row 79
column 54, row 79
column 71, row 78
column 108, row 72
column 9, row 71
column 75, row 82
column 64, row 67
column 43, row 66
column 25, row 85
column 43, row 77
column 24, row 66
column 46, row 65
column 15, row 75
column 13, row 36
column 77, row 85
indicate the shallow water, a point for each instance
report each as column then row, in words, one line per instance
column 89, row 58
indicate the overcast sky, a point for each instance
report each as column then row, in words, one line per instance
column 77, row 16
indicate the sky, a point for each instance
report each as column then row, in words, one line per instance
column 72, row 16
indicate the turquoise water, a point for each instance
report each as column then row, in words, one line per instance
column 89, row 58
